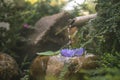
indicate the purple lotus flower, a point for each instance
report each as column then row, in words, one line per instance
column 72, row 52
column 26, row 26
column 79, row 52
column 67, row 52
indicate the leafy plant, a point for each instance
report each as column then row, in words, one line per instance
column 48, row 53
column 110, row 60
column 102, row 33
column 102, row 37
column 103, row 74
column 21, row 16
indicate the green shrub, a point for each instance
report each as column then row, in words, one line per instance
column 102, row 37
column 103, row 74
column 102, row 33
column 21, row 17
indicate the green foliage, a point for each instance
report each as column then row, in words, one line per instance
column 88, row 7
column 110, row 60
column 107, row 25
column 64, row 71
column 109, row 68
column 42, row 8
column 48, row 53
column 26, row 77
column 102, row 33
column 103, row 74
column 17, row 14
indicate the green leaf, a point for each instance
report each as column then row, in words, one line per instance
column 48, row 53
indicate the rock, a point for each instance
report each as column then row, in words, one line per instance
column 8, row 68
column 38, row 68
column 44, row 37
column 55, row 65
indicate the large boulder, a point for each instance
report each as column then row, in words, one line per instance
column 44, row 37
column 8, row 68
column 54, row 67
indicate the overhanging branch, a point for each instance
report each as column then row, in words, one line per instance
column 78, row 21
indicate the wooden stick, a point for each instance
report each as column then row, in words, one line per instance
column 78, row 21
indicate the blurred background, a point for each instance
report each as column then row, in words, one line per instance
column 99, row 36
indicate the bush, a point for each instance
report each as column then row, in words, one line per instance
column 21, row 16
column 102, row 34
column 102, row 37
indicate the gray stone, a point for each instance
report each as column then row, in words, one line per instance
column 44, row 36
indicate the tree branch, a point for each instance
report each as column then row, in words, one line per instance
column 79, row 21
